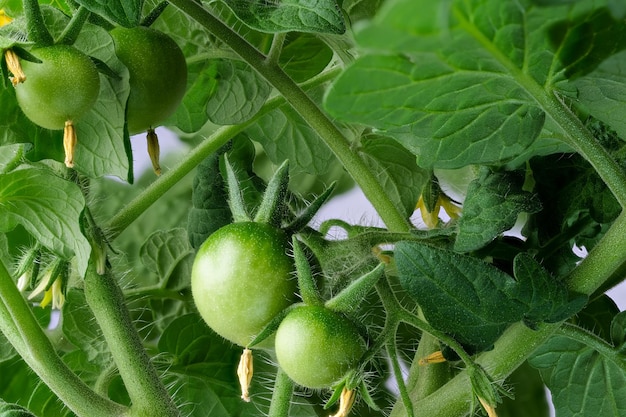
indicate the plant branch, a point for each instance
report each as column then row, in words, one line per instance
column 307, row 108
column 21, row 328
column 145, row 389
column 518, row 342
column 281, row 397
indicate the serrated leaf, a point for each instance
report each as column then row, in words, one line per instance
column 461, row 82
column 191, row 114
column 317, row 16
column 548, row 300
column 285, row 135
column 169, row 256
column 11, row 156
column 123, row 12
column 396, row 170
column 49, row 208
column 583, row 381
column 494, row 201
column 239, row 94
column 462, row 296
column 597, row 316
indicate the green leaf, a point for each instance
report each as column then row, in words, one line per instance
column 597, row 316
column 169, row 256
column 49, row 208
column 191, row 114
column 548, row 299
column 582, row 380
column 462, row 82
column 462, row 296
column 123, row 12
column 11, row 156
column 603, row 92
column 318, row 16
column 396, row 170
column 285, row 135
column 239, row 94
column 304, row 56
column 210, row 209
column 494, row 201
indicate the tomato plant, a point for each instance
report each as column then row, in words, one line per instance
column 487, row 137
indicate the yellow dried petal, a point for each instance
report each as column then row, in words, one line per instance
column 154, row 150
column 491, row 411
column 346, row 401
column 436, row 357
column 4, row 19
column 14, row 65
column 244, row 372
column 69, row 143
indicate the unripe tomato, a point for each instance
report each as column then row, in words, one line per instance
column 241, row 278
column 316, row 347
column 61, row 88
column 158, row 75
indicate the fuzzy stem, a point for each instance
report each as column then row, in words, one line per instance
column 148, row 395
column 281, row 398
column 37, row 30
column 21, row 328
column 307, row 108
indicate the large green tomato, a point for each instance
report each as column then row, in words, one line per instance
column 316, row 347
column 62, row 88
column 158, row 75
column 241, row 278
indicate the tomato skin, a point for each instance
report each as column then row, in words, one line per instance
column 158, row 75
column 241, row 278
column 63, row 87
column 316, row 347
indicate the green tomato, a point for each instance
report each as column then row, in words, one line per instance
column 316, row 347
column 158, row 75
column 62, row 88
column 241, row 278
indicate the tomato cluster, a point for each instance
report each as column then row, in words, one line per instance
column 61, row 83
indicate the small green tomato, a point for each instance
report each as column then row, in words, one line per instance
column 60, row 89
column 241, row 278
column 316, row 347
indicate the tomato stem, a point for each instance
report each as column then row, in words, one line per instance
column 145, row 389
column 281, row 398
column 21, row 328
column 73, row 28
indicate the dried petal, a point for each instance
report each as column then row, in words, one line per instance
column 435, row 357
column 244, row 372
column 154, row 150
column 14, row 65
column 346, row 401
column 69, row 143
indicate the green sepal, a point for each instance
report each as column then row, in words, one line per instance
column 272, row 326
column 235, row 195
column 336, row 394
column 430, row 193
column 306, row 282
column 367, row 397
column 309, row 212
column 348, row 299
column 154, row 14
column 272, row 206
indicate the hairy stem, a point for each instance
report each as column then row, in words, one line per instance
column 21, row 328
column 307, row 108
column 281, row 398
column 148, row 395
